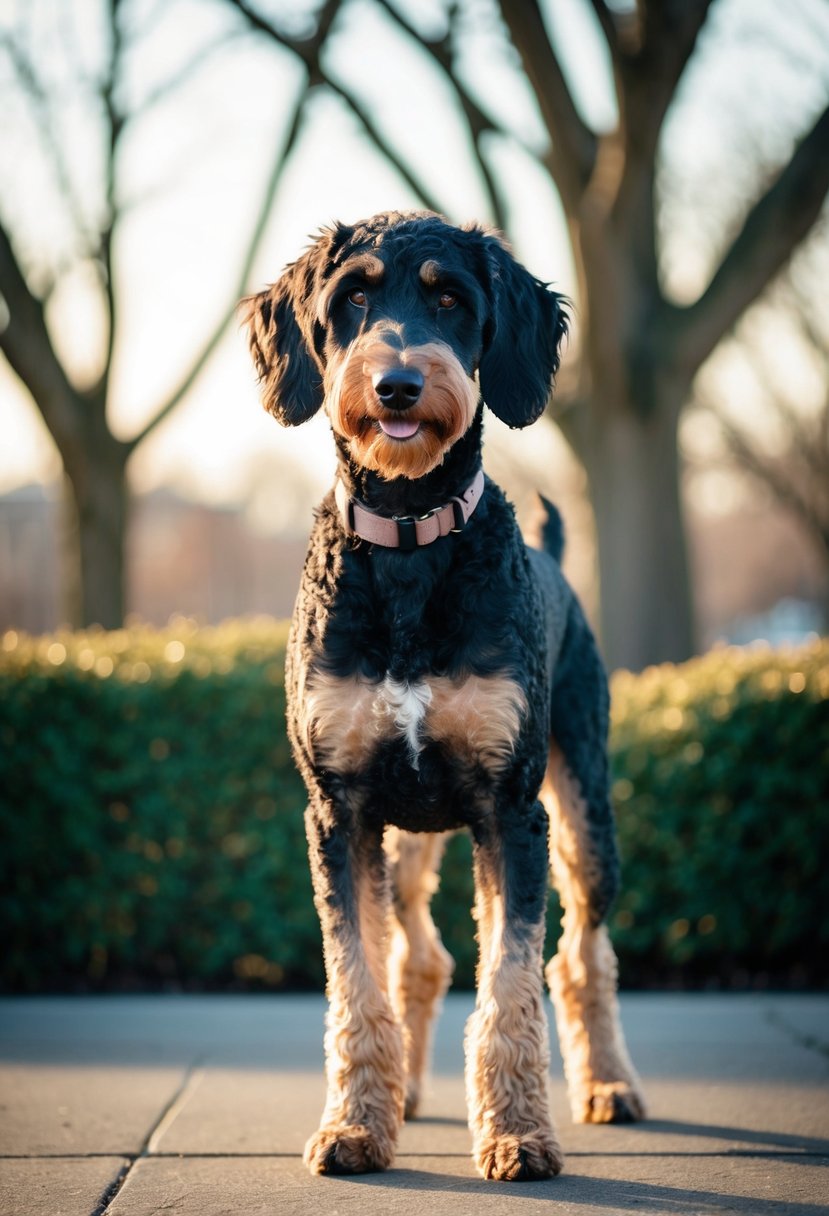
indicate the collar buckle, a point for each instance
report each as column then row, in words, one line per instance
column 406, row 532
column 460, row 518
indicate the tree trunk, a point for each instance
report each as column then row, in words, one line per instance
column 632, row 468
column 102, row 528
column 626, row 430
column 97, row 508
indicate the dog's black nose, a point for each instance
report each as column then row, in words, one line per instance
column 399, row 387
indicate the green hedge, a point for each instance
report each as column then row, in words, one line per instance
column 721, row 786
column 151, row 821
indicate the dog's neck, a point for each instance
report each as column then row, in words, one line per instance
column 405, row 496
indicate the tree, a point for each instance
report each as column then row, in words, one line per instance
column 640, row 350
column 33, row 269
column 788, row 456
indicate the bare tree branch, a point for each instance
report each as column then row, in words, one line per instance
column 39, row 105
column 771, row 231
column 385, row 146
column 114, row 125
column 792, row 491
column 804, row 438
column 574, row 146
column 652, row 53
column 607, row 21
column 190, row 376
column 668, row 32
column 477, row 121
column 26, row 344
column 440, row 49
column 308, row 50
column 806, row 434
column 182, row 75
column 794, row 468
column 814, row 337
column 622, row 29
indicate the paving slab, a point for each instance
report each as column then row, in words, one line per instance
column 448, row 1186
column 70, row 1186
column 72, row 1110
column 203, row 1105
column 228, row 1111
column 245, row 1111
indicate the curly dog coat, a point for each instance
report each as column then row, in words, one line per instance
column 440, row 676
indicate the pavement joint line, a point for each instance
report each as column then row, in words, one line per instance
column 168, row 1116
column 809, row 1041
column 112, row 1190
column 163, row 1121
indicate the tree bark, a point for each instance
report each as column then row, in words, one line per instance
column 644, row 583
column 96, row 524
column 625, row 430
column 102, row 535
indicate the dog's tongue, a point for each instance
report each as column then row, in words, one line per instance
column 398, row 428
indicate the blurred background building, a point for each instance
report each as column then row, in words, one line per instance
column 757, row 576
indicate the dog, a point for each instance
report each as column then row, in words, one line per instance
column 440, row 675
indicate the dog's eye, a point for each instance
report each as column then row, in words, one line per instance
column 357, row 297
column 447, row 299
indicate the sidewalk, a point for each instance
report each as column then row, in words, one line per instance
column 200, row 1106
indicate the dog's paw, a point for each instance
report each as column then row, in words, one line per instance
column 412, row 1101
column 609, row 1102
column 519, row 1158
column 347, row 1149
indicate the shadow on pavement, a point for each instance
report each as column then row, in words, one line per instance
column 778, row 1141
column 614, row 1194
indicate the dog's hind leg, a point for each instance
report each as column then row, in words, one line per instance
column 363, row 1048
column 602, row 1084
column 507, row 1047
column 420, row 969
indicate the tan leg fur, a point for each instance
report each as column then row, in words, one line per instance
column 420, row 969
column 507, row 1053
column 602, row 1084
column 363, row 1047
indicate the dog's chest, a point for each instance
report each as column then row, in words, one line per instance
column 347, row 721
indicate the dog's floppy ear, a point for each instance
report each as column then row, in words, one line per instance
column 289, row 379
column 282, row 332
column 521, row 340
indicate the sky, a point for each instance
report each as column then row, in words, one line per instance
column 192, row 166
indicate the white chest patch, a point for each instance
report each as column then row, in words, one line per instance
column 476, row 718
column 406, row 704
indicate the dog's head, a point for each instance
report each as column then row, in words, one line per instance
column 399, row 325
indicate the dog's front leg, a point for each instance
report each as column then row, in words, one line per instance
column 507, row 1045
column 363, row 1050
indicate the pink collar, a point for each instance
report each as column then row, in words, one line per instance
column 407, row 531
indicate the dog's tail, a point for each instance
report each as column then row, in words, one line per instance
column 551, row 530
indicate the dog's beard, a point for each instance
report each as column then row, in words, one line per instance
column 444, row 410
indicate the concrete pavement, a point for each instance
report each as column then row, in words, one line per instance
column 200, row 1106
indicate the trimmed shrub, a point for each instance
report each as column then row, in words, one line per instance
column 721, row 785
column 151, row 821
column 150, row 812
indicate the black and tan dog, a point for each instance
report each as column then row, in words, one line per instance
column 441, row 676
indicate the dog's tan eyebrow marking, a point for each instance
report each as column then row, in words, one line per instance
column 431, row 272
column 367, row 265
